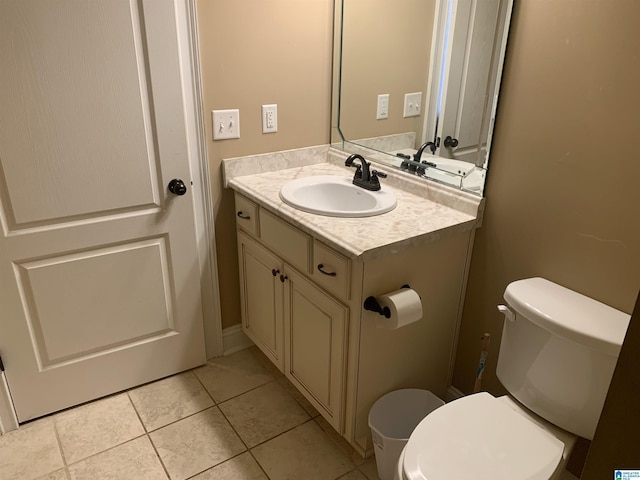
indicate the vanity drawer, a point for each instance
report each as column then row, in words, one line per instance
column 246, row 214
column 286, row 240
column 331, row 270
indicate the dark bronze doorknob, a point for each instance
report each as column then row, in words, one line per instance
column 450, row 142
column 177, row 187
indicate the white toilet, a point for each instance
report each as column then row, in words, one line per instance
column 556, row 359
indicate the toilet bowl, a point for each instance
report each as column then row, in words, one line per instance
column 484, row 437
column 557, row 356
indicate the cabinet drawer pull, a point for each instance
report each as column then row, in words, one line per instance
column 274, row 272
column 243, row 216
column 330, row 274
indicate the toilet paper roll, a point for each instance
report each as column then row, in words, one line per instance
column 405, row 307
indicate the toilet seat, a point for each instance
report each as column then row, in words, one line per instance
column 480, row 437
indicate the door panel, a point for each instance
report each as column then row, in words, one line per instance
column 70, row 64
column 86, row 294
column 98, row 261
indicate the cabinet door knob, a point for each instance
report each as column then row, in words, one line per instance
column 274, row 272
column 242, row 215
column 283, row 278
column 321, row 270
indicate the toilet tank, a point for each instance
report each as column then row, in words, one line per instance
column 558, row 354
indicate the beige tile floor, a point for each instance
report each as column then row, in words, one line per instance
column 237, row 417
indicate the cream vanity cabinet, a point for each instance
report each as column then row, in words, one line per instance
column 300, row 328
column 302, row 306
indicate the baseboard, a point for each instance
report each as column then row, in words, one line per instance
column 453, row 394
column 234, row 340
column 8, row 419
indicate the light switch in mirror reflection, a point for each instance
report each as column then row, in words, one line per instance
column 450, row 50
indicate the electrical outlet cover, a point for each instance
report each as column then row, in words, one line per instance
column 269, row 118
column 383, row 106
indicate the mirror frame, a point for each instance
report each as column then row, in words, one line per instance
column 430, row 115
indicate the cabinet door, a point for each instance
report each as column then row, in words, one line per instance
column 315, row 346
column 261, row 294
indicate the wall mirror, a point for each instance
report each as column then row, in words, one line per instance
column 409, row 72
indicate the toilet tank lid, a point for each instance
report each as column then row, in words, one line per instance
column 569, row 314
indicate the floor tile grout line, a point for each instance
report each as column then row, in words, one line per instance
column 133, row 404
column 250, row 390
column 316, row 412
column 193, row 371
column 355, row 467
column 164, row 467
column 275, row 436
column 246, row 447
column 234, row 429
column 259, row 464
column 334, row 441
column 281, row 433
column 107, row 449
column 146, row 434
column 55, row 425
column 268, row 440
column 261, row 443
column 217, row 465
column 273, row 379
column 55, row 431
column 183, row 418
column 297, row 402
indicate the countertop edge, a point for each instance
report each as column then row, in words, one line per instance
column 296, row 218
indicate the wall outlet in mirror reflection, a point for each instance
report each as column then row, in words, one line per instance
column 383, row 106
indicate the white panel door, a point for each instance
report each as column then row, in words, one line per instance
column 469, row 77
column 100, row 286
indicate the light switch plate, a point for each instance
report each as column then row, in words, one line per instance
column 412, row 104
column 226, row 124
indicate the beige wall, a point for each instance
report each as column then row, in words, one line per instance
column 563, row 200
column 386, row 49
column 616, row 444
column 256, row 52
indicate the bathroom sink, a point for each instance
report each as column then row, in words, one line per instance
column 336, row 197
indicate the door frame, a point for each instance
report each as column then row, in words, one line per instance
column 187, row 27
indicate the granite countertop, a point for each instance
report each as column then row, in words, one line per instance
column 416, row 220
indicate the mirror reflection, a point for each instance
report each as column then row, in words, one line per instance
column 417, row 82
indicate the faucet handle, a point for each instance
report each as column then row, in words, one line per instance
column 375, row 183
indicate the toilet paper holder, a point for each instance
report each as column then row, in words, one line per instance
column 371, row 304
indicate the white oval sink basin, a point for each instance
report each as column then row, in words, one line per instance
column 336, row 197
